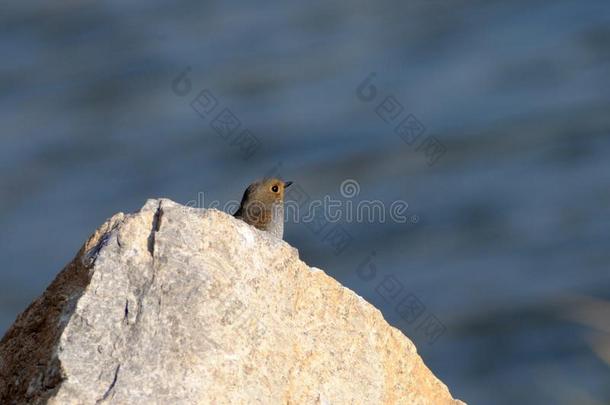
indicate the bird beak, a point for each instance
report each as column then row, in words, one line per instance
column 287, row 184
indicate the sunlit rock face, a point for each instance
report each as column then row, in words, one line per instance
column 181, row 305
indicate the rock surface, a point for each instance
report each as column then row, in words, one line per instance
column 181, row 305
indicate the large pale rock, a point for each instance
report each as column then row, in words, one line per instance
column 177, row 305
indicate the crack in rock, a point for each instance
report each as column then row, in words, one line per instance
column 112, row 384
column 156, row 226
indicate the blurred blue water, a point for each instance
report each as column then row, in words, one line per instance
column 513, row 218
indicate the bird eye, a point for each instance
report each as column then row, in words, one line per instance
column 275, row 189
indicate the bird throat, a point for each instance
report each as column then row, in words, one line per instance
column 276, row 225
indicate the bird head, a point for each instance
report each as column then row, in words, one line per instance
column 266, row 191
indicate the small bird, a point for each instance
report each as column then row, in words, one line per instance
column 262, row 206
